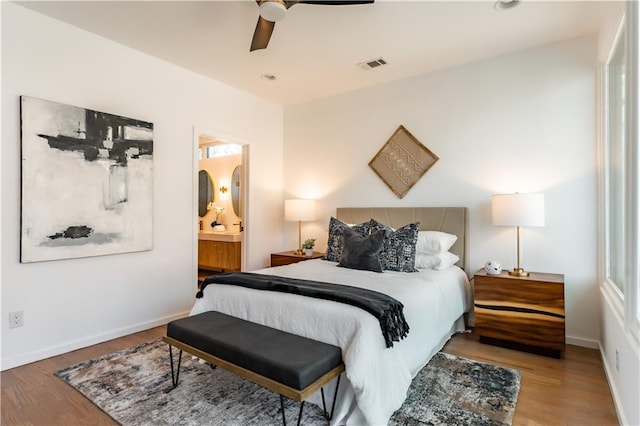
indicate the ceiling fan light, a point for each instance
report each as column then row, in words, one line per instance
column 505, row 4
column 272, row 11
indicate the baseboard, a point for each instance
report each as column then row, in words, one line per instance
column 585, row 343
column 83, row 343
column 612, row 387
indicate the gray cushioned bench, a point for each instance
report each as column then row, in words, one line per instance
column 291, row 365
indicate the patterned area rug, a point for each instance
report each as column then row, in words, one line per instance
column 133, row 385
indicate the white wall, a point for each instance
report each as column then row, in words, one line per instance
column 73, row 303
column 621, row 357
column 522, row 122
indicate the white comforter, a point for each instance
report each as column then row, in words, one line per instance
column 378, row 377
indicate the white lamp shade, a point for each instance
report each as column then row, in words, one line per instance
column 299, row 210
column 517, row 209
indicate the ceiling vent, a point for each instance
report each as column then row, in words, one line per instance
column 372, row 63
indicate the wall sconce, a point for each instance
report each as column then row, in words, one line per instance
column 518, row 210
column 223, row 189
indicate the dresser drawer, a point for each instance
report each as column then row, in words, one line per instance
column 524, row 310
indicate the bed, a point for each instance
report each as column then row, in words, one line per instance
column 377, row 376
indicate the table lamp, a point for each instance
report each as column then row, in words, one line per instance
column 518, row 210
column 299, row 210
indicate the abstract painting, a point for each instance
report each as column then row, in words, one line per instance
column 402, row 161
column 87, row 182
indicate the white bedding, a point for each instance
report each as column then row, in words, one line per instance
column 377, row 377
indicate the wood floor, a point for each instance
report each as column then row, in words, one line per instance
column 569, row 391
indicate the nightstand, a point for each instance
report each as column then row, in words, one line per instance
column 287, row 257
column 525, row 313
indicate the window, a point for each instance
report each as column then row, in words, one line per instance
column 631, row 179
column 223, row 150
column 616, row 234
column 621, row 182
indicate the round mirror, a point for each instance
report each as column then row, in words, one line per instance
column 205, row 192
column 235, row 192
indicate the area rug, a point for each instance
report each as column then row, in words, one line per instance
column 133, row 386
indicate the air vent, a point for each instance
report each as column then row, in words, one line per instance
column 372, row 63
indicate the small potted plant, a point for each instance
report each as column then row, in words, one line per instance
column 308, row 246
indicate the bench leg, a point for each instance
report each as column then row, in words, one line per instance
column 327, row 415
column 333, row 406
column 284, row 420
column 174, row 377
column 300, row 413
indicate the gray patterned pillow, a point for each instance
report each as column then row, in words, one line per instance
column 374, row 225
column 399, row 249
column 361, row 251
column 335, row 241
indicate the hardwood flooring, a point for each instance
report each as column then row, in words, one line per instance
column 32, row 395
column 568, row 391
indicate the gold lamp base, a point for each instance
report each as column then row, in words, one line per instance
column 299, row 252
column 519, row 272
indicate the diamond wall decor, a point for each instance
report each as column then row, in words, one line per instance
column 402, row 161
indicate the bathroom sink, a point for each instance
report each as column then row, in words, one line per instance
column 228, row 236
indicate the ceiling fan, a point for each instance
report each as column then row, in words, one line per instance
column 272, row 11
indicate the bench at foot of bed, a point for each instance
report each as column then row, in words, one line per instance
column 293, row 366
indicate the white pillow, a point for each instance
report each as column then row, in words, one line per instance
column 434, row 242
column 436, row 261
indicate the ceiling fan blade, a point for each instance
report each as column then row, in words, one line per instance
column 264, row 28
column 262, row 34
column 335, row 2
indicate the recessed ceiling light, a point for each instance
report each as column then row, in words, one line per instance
column 506, row 4
column 268, row 77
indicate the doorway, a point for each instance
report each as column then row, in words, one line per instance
column 221, row 198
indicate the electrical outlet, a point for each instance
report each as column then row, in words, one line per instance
column 617, row 361
column 16, row 319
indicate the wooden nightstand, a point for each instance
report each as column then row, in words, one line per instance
column 287, row 257
column 525, row 313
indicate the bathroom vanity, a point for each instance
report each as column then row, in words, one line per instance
column 219, row 251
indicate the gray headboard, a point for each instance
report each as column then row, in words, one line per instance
column 452, row 220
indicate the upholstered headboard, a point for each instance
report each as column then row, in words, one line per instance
column 452, row 220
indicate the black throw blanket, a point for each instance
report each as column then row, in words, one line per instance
column 386, row 309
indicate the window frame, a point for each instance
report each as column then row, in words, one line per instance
column 617, row 288
column 626, row 303
column 632, row 289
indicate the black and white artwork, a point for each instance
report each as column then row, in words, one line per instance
column 87, row 182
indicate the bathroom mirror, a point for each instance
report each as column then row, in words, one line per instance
column 235, row 191
column 205, row 192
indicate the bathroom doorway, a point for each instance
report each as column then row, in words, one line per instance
column 221, row 205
